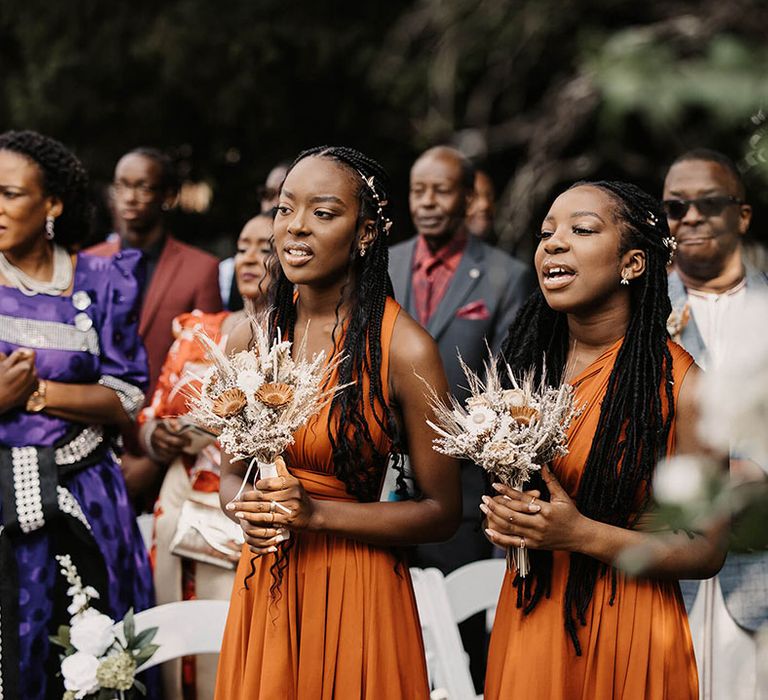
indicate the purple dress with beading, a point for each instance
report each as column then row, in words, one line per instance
column 101, row 341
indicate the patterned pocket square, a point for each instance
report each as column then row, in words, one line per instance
column 474, row 311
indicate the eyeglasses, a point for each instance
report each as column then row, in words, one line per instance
column 143, row 193
column 676, row 209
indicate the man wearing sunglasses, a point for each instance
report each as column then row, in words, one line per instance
column 704, row 199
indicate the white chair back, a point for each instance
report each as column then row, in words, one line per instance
column 443, row 602
column 446, row 661
column 185, row 628
column 475, row 587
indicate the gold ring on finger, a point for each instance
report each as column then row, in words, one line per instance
column 522, row 542
column 533, row 499
column 272, row 521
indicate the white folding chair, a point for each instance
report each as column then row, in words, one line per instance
column 446, row 661
column 183, row 629
column 475, row 587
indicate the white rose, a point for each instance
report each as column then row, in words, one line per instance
column 680, row 480
column 92, row 634
column 79, row 671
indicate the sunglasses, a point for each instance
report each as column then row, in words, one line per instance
column 676, row 209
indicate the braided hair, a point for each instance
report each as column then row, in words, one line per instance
column 63, row 176
column 358, row 463
column 636, row 412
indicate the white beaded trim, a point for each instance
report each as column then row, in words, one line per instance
column 68, row 505
column 51, row 335
column 26, row 484
column 131, row 397
column 79, row 448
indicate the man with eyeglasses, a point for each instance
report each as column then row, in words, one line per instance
column 705, row 203
column 177, row 277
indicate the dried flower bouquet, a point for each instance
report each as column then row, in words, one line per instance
column 508, row 432
column 255, row 399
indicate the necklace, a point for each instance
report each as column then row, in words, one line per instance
column 55, row 287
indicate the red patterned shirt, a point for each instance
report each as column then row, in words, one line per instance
column 432, row 273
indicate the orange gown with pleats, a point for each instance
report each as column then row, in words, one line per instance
column 345, row 625
column 639, row 648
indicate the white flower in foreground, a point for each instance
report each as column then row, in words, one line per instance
column 680, row 480
column 92, row 634
column 479, row 419
column 79, row 671
column 79, row 601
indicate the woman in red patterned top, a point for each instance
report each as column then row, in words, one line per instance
column 193, row 459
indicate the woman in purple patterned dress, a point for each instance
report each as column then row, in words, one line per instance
column 72, row 369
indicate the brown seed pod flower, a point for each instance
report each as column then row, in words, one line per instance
column 524, row 415
column 275, row 395
column 229, row 403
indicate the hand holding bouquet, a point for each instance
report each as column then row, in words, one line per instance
column 257, row 398
column 509, row 432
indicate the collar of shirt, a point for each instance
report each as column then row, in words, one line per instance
column 448, row 256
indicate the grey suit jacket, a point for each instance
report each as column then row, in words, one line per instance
column 485, row 274
column 744, row 577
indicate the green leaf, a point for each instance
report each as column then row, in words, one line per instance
column 144, row 637
column 140, row 686
column 129, row 627
column 106, row 694
column 145, row 654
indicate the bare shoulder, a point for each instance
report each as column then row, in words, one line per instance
column 412, row 346
column 687, row 400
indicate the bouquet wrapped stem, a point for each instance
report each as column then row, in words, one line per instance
column 517, row 557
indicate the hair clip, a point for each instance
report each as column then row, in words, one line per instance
column 652, row 219
column 386, row 223
column 670, row 243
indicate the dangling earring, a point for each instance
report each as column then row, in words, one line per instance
column 49, row 232
column 625, row 276
column 362, row 250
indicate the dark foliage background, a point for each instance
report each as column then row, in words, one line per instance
column 540, row 92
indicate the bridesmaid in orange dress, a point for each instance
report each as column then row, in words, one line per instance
column 329, row 612
column 577, row 628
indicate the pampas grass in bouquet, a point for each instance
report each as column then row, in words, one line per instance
column 508, row 432
column 256, row 399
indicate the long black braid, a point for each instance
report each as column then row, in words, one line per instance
column 63, row 176
column 357, row 461
column 637, row 410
